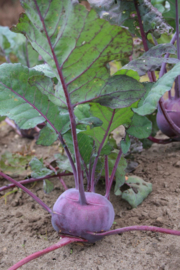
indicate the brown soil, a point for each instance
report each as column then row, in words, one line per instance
column 26, row 228
column 9, row 12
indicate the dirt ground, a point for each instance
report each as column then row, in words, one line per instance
column 26, row 228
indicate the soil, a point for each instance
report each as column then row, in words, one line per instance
column 25, row 227
column 9, row 12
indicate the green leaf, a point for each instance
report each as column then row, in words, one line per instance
column 47, row 186
column 84, row 116
column 15, row 164
column 125, row 144
column 171, row 14
column 140, row 127
column 85, row 144
column 148, row 86
column 120, row 13
column 163, row 85
column 122, row 117
column 23, row 103
column 7, row 40
column 106, row 150
column 47, row 136
column 153, row 20
column 147, row 143
column 138, row 192
column 45, row 69
column 128, row 72
column 23, row 50
column 78, row 43
column 63, row 162
column 38, row 168
column 120, row 91
column 2, row 118
column 152, row 59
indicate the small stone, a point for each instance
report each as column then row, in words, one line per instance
column 177, row 164
column 98, row 262
column 18, row 214
column 166, row 173
column 160, row 219
column 165, row 185
column 33, row 219
column 159, row 168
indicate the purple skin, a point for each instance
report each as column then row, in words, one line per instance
column 172, row 107
column 71, row 218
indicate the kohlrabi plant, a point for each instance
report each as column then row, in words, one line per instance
column 74, row 98
column 168, row 109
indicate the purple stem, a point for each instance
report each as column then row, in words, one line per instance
column 79, row 177
column 26, row 54
column 90, row 163
column 174, row 127
column 85, row 168
column 161, row 141
column 138, row 228
column 113, row 174
column 17, row 184
column 62, row 242
column 151, row 74
column 11, row 124
column 169, row 94
column 60, row 178
column 99, row 151
column 63, row 183
column 177, row 89
column 31, row 180
column 106, row 173
column 6, row 56
column 163, row 66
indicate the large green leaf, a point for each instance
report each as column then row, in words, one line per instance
column 23, row 103
column 163, row 85
column 122, row 117
column 71, row 38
